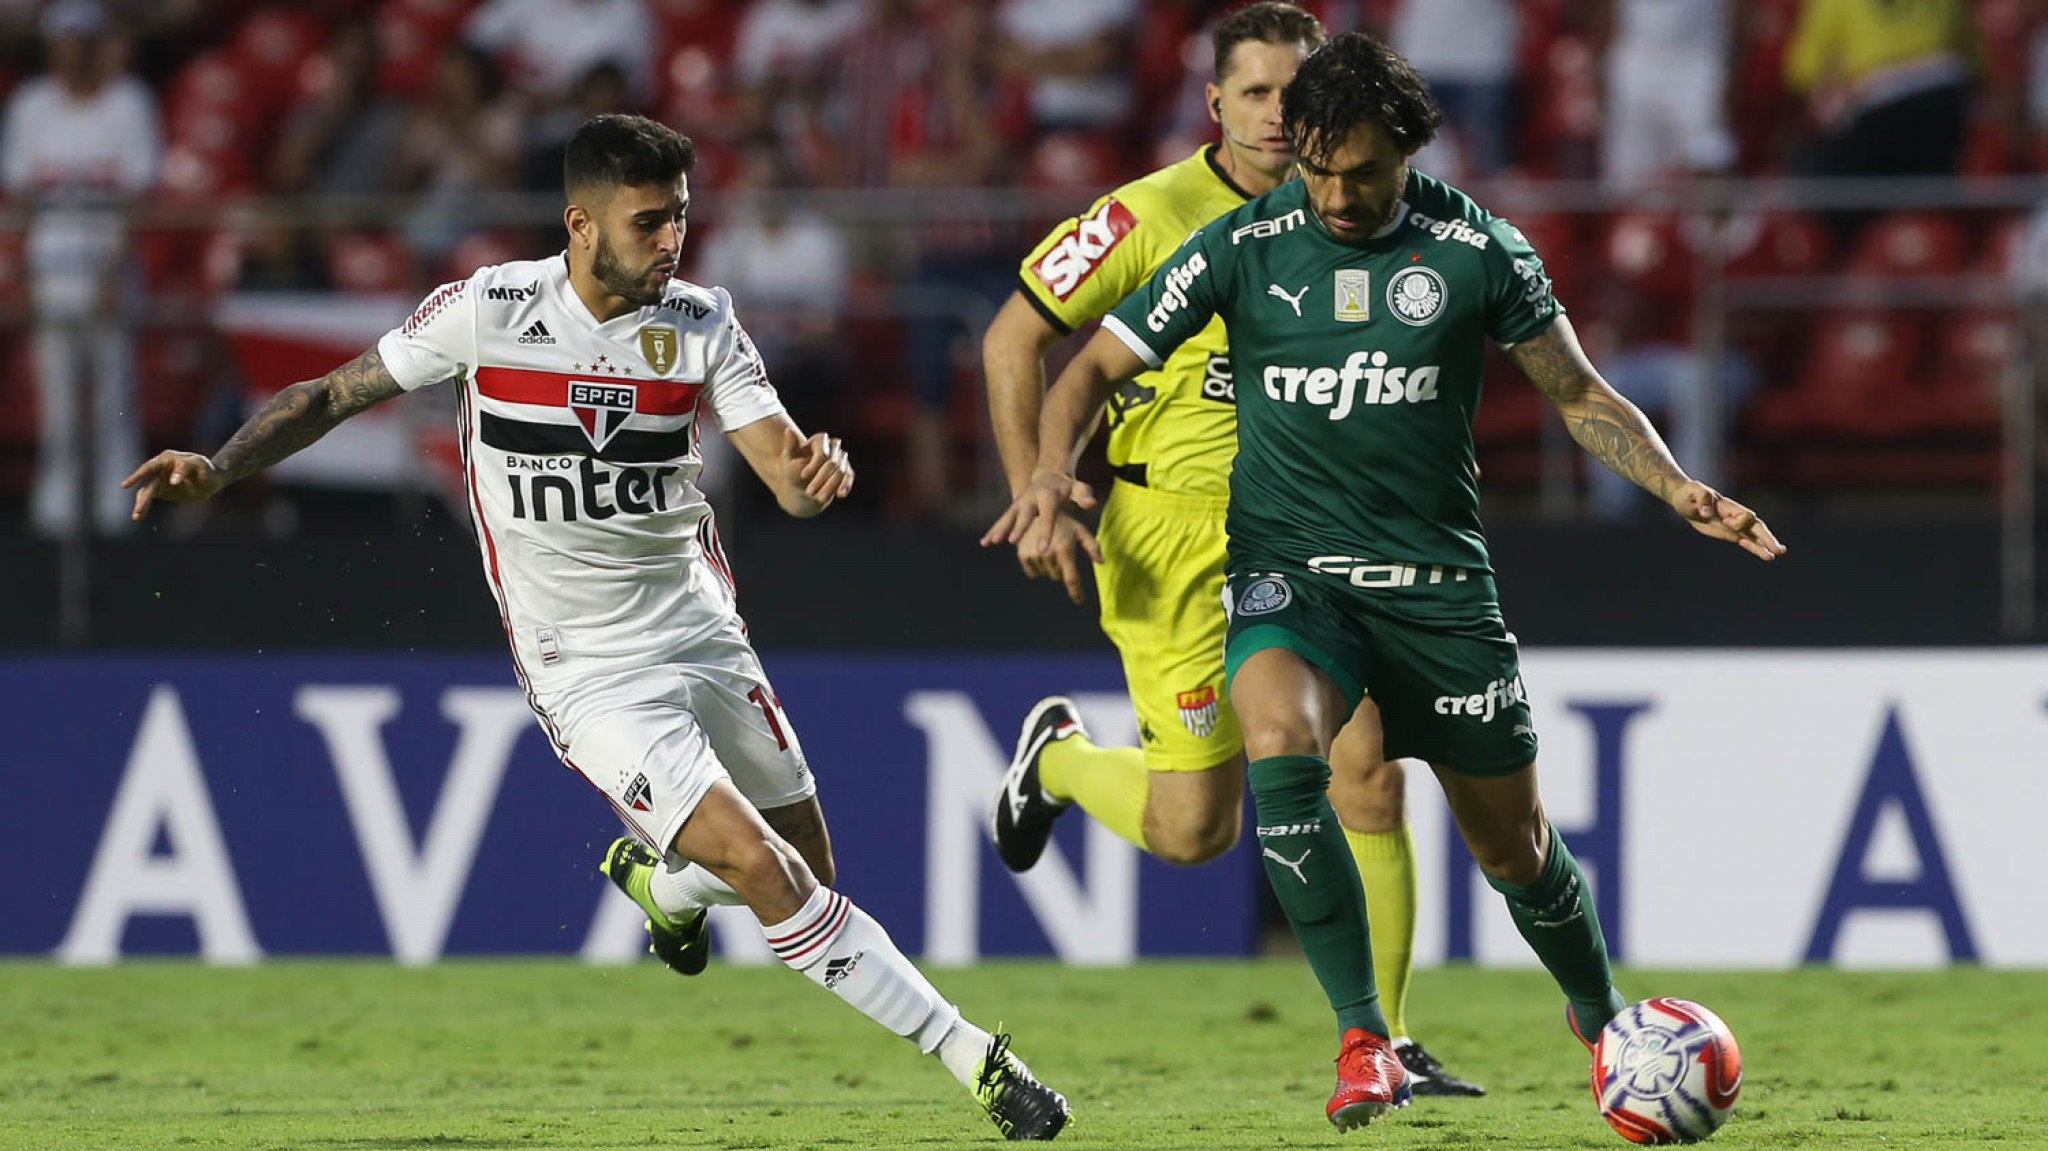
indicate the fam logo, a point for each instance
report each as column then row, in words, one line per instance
column 1198, row 710
column 1416, row 295
column 602, row 409
column 1266, row 594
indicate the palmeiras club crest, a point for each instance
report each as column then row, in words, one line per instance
column 1198, row 710
column 602, row 409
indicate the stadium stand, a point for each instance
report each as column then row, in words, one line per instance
column 1856, row 387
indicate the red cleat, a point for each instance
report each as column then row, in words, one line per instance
column 1572, row 1021
column 1370, row 1080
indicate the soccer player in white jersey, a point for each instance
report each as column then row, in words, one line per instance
column 581, row 380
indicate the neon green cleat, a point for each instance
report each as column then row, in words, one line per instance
column 683, row 944
column 1017, row 1103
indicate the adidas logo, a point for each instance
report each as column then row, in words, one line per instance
column 836, row 970
column 536, row 334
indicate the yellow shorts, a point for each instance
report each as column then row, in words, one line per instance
column 1161, row 587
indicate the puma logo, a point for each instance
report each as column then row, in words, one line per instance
column 1293, row 865
column 1293, row 301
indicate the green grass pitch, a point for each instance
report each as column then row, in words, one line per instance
column 363, row 1056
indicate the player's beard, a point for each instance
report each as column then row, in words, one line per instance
column 642, row 290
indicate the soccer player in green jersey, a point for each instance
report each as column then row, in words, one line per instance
column 1160, row 553
column 1359, row 300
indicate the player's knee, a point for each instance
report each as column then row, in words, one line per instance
column 1513, row 859
column 1191, row 843
column 1282, row 733
column 765, row 871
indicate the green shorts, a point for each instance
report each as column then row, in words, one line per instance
column 1449, row 692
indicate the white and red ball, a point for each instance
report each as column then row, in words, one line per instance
column 1666, row 1071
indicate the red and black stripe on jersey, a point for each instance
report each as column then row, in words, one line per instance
column 667, row 402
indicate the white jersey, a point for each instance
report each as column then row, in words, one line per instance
column 580, row 458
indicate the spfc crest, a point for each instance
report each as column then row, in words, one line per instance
column 639, row 795
column 602, row 409
column 1198, row 710
column 659, row 346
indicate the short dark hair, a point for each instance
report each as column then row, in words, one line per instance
column 1349, row 81
column 621, row 151
column 1268, row 22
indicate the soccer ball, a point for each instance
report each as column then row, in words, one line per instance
column 1666, row 1071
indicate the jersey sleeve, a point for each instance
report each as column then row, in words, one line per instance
column 1081, row 269
column 438, row 342
column 736, row 379
column 1175, row 304
column 1520, row 301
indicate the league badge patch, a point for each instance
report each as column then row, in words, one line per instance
column 1198, row 710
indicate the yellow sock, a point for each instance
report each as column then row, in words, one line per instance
column 1110, row 783
column 1386, row 866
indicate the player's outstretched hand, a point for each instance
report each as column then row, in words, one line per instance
column 178, row 477
column 819, row 464
column 1712, row 514
column 1056, row 553
column 1046, row 496
column 1046, row 534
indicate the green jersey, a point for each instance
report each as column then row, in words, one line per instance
column 1358, row 370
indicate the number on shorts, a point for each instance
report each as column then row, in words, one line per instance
column 771, row 710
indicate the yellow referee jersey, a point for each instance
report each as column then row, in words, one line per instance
column 1851, row 41
column 1174, row 429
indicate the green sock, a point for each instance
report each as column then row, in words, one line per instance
column 1310, row 867
column 1556, row 915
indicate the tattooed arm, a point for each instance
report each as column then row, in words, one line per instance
column 1611, row 429
column 1615, row 432
column 293, row 419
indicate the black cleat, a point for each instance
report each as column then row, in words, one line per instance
column 1017, row 1103
column 1426, row 1076
column 684, row 944
column 1021, row 824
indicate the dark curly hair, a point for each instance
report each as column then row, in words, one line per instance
column 1267, row 22
column 618, row 151
column 1349, row 81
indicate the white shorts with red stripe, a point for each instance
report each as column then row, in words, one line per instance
column 654, row 739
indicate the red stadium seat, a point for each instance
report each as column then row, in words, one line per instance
column 477, row 250
column 1646, row 251
column 1074, row 160
column 211, row 86
column 271, row 44
column 1856, row 366
column 191, row 172
column 188, row 261
column 369, row 262
column 1976, row 350
column 1911, row 244
column 1778, row 244
column 411, row 35
column 2003, row 242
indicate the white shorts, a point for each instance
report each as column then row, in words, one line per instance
column 655, row 739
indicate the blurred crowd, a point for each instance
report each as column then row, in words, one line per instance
column 858, row 193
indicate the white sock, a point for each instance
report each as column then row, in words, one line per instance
column 961, row 1049
column 683, row 888
column 847, row 953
